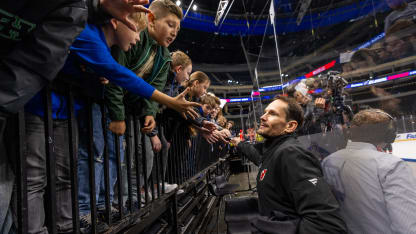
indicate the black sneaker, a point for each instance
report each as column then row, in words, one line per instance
column 86, row 225
column 135, row 205
column 115, row 214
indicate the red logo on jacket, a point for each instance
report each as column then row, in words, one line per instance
column 262, row 174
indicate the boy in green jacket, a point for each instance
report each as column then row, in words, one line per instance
column 149, row 59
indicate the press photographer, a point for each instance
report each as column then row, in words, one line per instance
column 313, row 107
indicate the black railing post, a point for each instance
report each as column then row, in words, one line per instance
column 91, row 166
column 157, row 169
column 106, row 166
column 137, row 153
column 174, row 210
column 152, row 185
column 21, row 175
column 188, row 157
column 127, row 159
column 171, row 155
column 162, row 164
column 119, row 177
column 197, row 143
column 144, row 167
column 191, row 155
column 182, row 161
column 73, row 153
column 50, row 164
column 176, row 158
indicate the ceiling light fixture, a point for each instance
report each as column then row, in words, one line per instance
column 194, row 7
column 178, row 3
column 222, row 6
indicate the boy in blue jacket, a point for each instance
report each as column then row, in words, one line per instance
column 90, row 50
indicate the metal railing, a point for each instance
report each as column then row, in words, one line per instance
column 189, row 167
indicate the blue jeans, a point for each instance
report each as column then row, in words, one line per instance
column 149, row 162
column 98, row 154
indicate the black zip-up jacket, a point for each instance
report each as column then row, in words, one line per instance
column 291, row 188
column 35, row 37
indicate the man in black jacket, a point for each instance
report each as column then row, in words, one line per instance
column 293, row 197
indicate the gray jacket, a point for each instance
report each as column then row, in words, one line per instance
column 35, row 37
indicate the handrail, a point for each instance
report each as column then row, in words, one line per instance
column 185, row 167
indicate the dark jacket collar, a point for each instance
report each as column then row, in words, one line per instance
column 273, row 143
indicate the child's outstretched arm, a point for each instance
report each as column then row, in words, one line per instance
column 178, row 103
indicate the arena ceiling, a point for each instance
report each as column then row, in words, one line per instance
column 219, row 50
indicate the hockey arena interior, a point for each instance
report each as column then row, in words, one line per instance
column 208, row 116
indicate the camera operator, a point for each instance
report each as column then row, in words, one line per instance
column 313, row 108
column 293, row 197
column 376, row 190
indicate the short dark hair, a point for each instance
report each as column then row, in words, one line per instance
column 293, row 111
column 372, row 126
column 161, row 8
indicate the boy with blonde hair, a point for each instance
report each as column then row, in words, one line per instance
column 92, row 47
column 149, row 59
column 180, row 70
column 117, row 34
column 90, row 50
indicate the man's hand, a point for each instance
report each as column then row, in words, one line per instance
column 226, row 133
column 220, row 135
column 184, row 107
column 156, row 144
column 210, row 126
column 149, row 124
column 121, row 9
column 235, row 141
column 320, row 103
column 117, row 127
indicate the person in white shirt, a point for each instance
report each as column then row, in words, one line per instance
column 376, row 190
